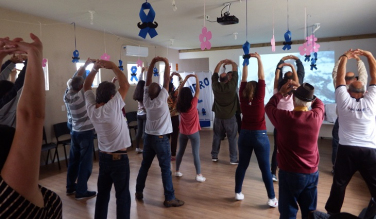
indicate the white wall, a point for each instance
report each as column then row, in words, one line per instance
column 338, row 46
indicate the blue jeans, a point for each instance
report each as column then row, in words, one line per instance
column 294, row 189
column 220, row 127
column 259, row 142
column 141, row 123
column 335, row 141
column 80, row 161
column 156, row 145
column 195, row 142
column 113, row 169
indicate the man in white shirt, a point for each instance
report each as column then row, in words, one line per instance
column 104, row 110
column 357, row 134
column 156, row 141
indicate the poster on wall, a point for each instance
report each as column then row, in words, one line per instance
column 205, row 100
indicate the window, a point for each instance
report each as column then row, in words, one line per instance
column 132, row 68
column 19, row 67
column 97, row 79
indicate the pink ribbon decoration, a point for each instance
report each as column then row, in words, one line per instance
column 204, row 37
column 305, row 49
column 272, row 42
column 312, row 40
column 139, row 63
column 44, row 62
column 105, row 56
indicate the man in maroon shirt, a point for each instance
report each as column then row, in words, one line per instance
column 297, row 153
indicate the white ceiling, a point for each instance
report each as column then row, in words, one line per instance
column 120, row 17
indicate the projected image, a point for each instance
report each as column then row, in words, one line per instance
column 321, row 78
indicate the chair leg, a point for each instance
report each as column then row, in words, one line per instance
column 57, row 156
column 65, row 153
column 48, row 155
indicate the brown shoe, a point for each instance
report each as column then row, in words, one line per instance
column 139, row 196
column 173, row 203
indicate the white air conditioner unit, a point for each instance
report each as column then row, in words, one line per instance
column 136, row 51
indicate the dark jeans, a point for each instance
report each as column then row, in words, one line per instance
column 80, row 161
column 174, row 135
column 259, row 142
column 274, row 155
column 335, row 141
column 156, row 145
column 238, row 120
column 294, row 189
column 113, row 169
column 141, row 122
column 230, row 127
column 349, row 160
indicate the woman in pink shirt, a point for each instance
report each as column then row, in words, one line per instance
column 189, row 126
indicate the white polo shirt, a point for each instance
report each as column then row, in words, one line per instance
column 357, row 118
column 158, row 120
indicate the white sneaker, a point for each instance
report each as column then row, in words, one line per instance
column 200, row 178
column 239, row 196
column 139, row 150
column 273, row 202
column 178, row 174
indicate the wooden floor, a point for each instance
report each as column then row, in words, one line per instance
column 211, row 199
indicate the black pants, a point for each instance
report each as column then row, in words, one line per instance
column 174, row 135
column 349, row 160
column 274, row 164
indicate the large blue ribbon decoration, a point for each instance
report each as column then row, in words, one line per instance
column 121, row 65
column 287, row 43
column 134, row 70
column 155, row 70
column 76, row 57
column 246, row 47
column 147, row 26
column 313, row 61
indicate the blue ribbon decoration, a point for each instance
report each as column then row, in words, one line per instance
column 307, row 58
column 203, row 112
column 246, row 47
column 76, row 57
column 147, row 26
column 287, row 43
column 121, row 65
column 134, row 70
column 313, row 61
column 199, row 101
column 155, row 70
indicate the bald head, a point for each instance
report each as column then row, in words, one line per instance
column 350, row 77
column 154, row 90
column 223, row 77
column 356, row 89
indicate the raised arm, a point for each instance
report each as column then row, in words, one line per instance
column 123, row 82
column 90, row 78
column 300, row 68
column 166, row 77
column 219, row 65
column 261, row 75
column 363, row 76
column 294, row 74
column 371, row 62
column 21, row 169
column 82, row 70
column 197, row 91
column 245, row 73
column 341, row 72
column 150, row 72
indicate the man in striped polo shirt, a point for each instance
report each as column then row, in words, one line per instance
column 82, row 135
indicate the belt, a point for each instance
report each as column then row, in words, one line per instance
column 115, row 155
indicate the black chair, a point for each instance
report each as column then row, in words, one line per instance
column 131, row 119
column 61, row 129
column 47, row 147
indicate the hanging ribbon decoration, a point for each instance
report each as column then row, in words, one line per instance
column 148, row 24
column 288, row 42
column 105, row 56
column 134, row 70
column 246, row 56
column 76, row 54
column 139, row 62
column 44, row 62
column 155, row 70
column 272, row 41
column 121, row 65
column 205, row 35
column 313, row 61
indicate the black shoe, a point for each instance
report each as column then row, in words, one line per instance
column 88, row 194
column 139, row 196
column 173, row 203
column 70, row 191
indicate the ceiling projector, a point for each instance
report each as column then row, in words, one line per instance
column 226, row 18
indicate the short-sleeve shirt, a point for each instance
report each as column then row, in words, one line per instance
column 13, row 205
column 286, row 103
column 158, row 121
column 356, row 118
column 189, row 121
column 109, row 122
column 254, row 111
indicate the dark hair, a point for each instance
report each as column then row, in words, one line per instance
column 6, row 139
column 354, row 89
column 77, row 83
column 223, row 79
column 184, row 100
column 105, row 91
column 139, row 91
column 250, row 90
column 171, row 87
column 5, row 87
column 285, row 79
